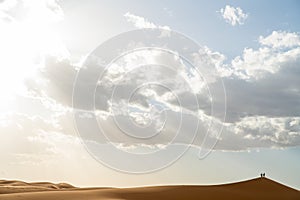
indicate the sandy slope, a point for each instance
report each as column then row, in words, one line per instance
column 260, row 188
column 7, row 187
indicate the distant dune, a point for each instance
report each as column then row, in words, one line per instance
column 258, row 188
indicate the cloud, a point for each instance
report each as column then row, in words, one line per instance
column 7, row 5
column 141, row 22
column 233, row 16
column 27, row 36
column 262, row 88
column 261, row 132
column 263, row 81
column 33, row 140
column 280, row 39
column 18, row 128
column 257, row 64
column 55, row 81
column 274, row 96
column 277, row 51
column 261, row 101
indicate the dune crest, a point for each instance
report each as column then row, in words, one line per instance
column 258, row 188
column 12, row 186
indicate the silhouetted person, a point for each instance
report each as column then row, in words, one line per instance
column 261, row 175
column 264, row 175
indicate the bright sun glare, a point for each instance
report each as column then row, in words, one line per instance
column 24, row 44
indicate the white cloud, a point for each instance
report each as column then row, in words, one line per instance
column 233, row 16
column 278, row 50
column 141, row 22
column 261, row 131
column 281, row 39
column 210, row 63
column 7, row 5
column 255, row 64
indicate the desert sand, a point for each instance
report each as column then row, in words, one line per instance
column 258, row 188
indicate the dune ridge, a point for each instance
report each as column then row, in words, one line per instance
column 13, row 186
column 258, row 188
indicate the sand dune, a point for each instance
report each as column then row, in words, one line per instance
column 259, row 188
column 7, row 187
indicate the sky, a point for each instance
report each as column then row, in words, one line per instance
column 226, row 109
